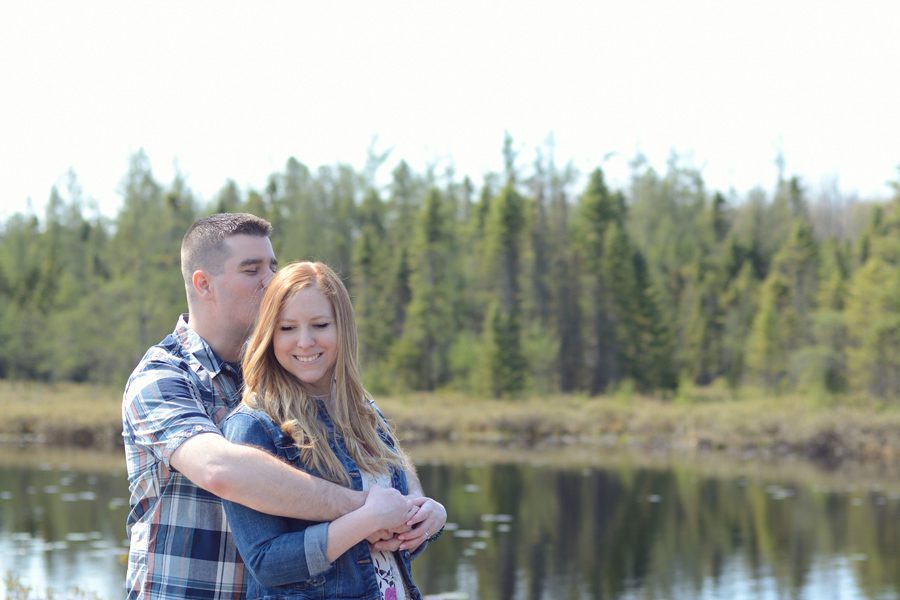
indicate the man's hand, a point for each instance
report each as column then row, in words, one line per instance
column 427, row 520
column 389, row 508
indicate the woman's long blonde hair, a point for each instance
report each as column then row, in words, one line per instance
column 272, row 389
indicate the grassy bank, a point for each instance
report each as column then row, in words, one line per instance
column 754, row 426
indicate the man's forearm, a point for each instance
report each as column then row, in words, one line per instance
column 273, row 487
column 256, row 479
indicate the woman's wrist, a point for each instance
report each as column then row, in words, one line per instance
column 435, row 535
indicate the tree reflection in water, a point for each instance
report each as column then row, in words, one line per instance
column 529, row 532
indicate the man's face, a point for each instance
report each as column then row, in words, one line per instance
column 247, row 270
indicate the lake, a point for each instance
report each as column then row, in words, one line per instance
column 529, row 525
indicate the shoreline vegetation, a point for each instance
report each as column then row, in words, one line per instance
column 748, row 426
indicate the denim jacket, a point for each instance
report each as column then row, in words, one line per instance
column 285, row 558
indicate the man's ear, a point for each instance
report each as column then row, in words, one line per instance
column 201, row 282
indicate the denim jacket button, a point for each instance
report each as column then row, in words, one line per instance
column 405, row 554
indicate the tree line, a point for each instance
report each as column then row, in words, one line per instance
column 518, row 284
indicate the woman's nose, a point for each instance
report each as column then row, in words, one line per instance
column 306, row 338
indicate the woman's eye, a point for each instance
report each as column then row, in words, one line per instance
column 286, row 327
column 321, row 325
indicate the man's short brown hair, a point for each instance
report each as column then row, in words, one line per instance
column 203, row 246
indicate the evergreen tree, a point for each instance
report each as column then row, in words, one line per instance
column 829, row 320
column 598, row 210
column 370, row 294
column 566, row 288
column 503, row 244
column 486, row 289
column 739, row 305
column 80, row 268
column 145, row 263
column 783, row 324
column 298, row 227
column 873, row 309
column 873, row 323
column 421, row 354
column 539, row 255
column 640, row 347
column 769, row 344
column 506, row 364
column 21, row 356
column 665, row 222
column 402, row 207
column 229, row 198
column 342, row 188
column 706, row 283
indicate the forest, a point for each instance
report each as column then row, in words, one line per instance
column 534, row 280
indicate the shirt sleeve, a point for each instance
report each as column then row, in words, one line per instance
column 278, row 550
column 162, row 409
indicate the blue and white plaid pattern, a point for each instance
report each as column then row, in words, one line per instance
column 180, row 545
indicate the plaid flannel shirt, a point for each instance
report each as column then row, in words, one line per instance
column 180, row 545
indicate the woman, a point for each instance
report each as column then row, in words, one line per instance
column 304, row 402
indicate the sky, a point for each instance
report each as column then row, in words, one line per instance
column 230, row 90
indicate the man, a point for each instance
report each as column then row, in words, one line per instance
column 179, row 464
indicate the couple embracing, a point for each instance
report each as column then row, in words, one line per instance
column 262, row 468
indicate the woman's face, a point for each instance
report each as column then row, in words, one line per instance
column 306, row 339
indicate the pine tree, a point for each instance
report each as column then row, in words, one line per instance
column 640, row 348
column 769, row 344
column 783, row 324
column 298, row 227
column 739, row 306
column 228, row 199
column 370, row 268
column 598, row 210
column 145, row 273
column 873, row 309
column 421, row 355
column 400, row 219
column 503, row 243
column 344, row 188
column 21, row 355
column 873, row 323
column 539, row 256
column 566, row 288
column 78, row 270
column 505, row 361
column 829, row 320
column 665, row 221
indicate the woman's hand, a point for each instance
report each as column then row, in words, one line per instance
column 380, row 536
column 427, row 521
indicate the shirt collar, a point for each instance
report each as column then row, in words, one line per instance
column 197, row 347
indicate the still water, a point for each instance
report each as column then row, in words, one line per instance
column 525, row 529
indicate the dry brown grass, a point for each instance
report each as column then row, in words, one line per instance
column 752, row 426
column 757, row 426
column 62, row 413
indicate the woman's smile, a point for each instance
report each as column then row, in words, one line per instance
column 308, row 358
column 305, row 341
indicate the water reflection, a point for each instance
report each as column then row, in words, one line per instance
column 62, row 529
column 530, row 532
column 646, row 533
